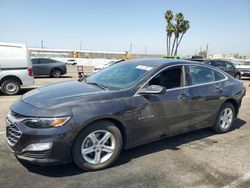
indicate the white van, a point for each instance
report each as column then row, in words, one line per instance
column 15, row 68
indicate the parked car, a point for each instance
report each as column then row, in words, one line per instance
column 226, row 66
column 15, row 68
column 244, row 68
column 48, row 67
column 128, row 104
column 105, row 65
column 71, row 62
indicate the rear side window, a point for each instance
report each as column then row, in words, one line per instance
column 34, row 61
column 45, row 61
column 203, row 75
column 217, row 63
column 11, row 52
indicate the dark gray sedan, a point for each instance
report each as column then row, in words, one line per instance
column 48, row 67
column 128, row 104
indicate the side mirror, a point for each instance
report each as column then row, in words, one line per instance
column 153, row 89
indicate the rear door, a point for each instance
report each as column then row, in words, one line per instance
column 206, row 90
column 45, row 66
column 35, row 66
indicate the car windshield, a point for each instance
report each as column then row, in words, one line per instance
column 119, row 76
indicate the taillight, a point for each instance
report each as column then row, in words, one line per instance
column 30, row 71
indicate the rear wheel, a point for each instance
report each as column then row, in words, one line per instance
column 97, row 146
column 225, row 118
column 10, row 87
column 56, row 73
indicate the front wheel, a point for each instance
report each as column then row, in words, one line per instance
column 97, row 146
column 237, row 76
column 225, row 118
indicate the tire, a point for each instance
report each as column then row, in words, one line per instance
column 56, row 73
column 219, row 127
column 90, row 161
column 238, row 76
column 10, row 87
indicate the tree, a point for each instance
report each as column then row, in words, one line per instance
column 169, row 29
column 178, row 26
column 183, row 29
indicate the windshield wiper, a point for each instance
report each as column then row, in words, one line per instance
column 97, row 84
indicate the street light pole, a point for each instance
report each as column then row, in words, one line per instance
column 41, row 43
column 131, row 46
column 81, row 45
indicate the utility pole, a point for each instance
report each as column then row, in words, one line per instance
column 145, row 49
column 207, row 51
column 81, row 45
column 41, row 43
column 131, row 46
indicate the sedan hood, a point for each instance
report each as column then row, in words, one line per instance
column 61, row 94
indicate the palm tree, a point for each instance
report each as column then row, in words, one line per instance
column 178, row 27
column 183, row 29
column 179, row 19
column 169, row 29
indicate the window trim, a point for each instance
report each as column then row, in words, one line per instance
column 184, row 87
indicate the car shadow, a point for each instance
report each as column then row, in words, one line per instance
column 172, row 143
column 245, row 78
column 22, row 91
column 46, row 77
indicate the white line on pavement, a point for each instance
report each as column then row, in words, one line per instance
column 239, row 181
column 2, row 132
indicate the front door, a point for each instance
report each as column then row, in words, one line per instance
column 163, row 114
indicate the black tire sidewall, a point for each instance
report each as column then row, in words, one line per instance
column 239, row 76
column 76, row 149
column 6, row 82
column 217, row 126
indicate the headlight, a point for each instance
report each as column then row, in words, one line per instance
column 45, row 122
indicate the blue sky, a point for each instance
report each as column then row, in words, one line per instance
column 113, row 24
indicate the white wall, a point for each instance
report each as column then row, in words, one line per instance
column 86, row 61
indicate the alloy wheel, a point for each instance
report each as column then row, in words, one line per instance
column 226, row 118
column 98, row 147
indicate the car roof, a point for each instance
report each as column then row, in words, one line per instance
column 41, row 58
column 158, row 62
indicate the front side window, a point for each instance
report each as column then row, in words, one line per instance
column 202, row 75
column 170, row 78
column 229, row 65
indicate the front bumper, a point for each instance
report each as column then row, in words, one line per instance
column 245, row 72
column 60, row 139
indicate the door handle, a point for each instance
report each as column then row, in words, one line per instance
column 219, row 90
column 183, row 96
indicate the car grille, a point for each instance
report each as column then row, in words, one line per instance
column 13, row 133
column 244, row 70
